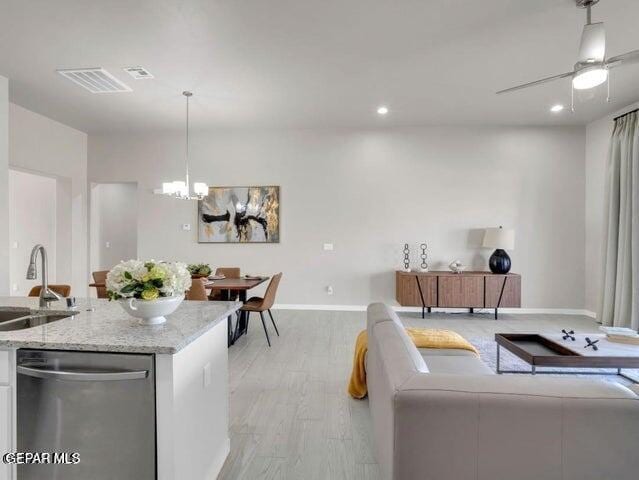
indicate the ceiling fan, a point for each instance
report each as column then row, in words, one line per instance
column 592, row 67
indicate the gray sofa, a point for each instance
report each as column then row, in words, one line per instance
column 444, row 415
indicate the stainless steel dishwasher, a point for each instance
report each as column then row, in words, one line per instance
column 100, row 405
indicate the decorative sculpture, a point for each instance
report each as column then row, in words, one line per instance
column 590, row 343
column 406, row 258
column 456, row 266
column 424, row 256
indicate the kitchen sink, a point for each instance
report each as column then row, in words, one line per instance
column 13, row 314
column 28, row 321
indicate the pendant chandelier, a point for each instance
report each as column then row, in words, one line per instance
column 182, row 188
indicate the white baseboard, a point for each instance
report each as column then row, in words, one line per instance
column 335, row 308
column 362, row 308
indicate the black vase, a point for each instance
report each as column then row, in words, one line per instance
column 499, row 261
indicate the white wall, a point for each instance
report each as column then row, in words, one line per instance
column 32, row 220
column 41, row 145
column 597, row 140
column 114, row 224
column 4, row 186
column 368, row 192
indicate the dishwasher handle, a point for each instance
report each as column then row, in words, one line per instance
column 82, row 376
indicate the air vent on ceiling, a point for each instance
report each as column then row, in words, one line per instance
column 95, row 80
column 139, row 73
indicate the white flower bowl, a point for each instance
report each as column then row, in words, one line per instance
column 151, row 312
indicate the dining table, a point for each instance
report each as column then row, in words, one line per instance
column 240, row 285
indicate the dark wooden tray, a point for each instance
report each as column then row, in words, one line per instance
column 538, row 350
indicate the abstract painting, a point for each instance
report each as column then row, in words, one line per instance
column 240, row 215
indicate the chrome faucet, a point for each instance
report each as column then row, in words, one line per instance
column 46, row 294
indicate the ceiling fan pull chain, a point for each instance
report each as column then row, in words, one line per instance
column 608, row 85
column 572, row 98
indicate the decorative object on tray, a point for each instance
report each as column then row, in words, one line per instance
column 240, row 215
column 254, row 277
column 621, row 335
column 568, row 335
column 456, row 266
column 199, row 270
column 591, row 343
column 148, row 290
column 501, row 239
column 424, row 256
column 406, row 258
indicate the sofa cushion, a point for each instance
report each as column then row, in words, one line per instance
column 457, row 364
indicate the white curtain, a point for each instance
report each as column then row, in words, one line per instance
column 619, row 305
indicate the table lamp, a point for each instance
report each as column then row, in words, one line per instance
column 501, row 239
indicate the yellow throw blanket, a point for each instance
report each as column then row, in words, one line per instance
column 422, row 337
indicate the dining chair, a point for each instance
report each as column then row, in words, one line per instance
column 64, row 290
column 197, row 290
column 100, row 278
column 264, row 304
column 228, row 272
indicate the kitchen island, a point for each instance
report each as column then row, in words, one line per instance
column 187, row 378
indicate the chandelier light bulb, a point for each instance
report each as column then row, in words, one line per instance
column 180, row 188
column 200, row 189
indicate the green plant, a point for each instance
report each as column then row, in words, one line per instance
column 199, row 269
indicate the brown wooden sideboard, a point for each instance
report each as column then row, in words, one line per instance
column 458, row 290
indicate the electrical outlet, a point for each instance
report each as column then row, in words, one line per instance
column 15, row 245
column 186, row 227
column 329, row 290
column 107, row 244
column 15, row 287
column 328, row 247
column 206, row 375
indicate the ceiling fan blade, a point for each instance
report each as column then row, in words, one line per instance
column 592, row 48
column 536, row 82
column 628, row 57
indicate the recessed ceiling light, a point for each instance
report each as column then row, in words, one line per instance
column 556, row 108
column 382, row 110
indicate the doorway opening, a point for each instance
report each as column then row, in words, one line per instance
column 113, row 224
column 33, row 212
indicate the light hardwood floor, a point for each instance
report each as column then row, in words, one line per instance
column 291, row 417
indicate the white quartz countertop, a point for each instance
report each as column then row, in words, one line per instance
column 102, row 326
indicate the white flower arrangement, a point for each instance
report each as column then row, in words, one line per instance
column 147, row 280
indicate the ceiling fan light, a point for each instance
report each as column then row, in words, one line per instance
column 589, row 78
